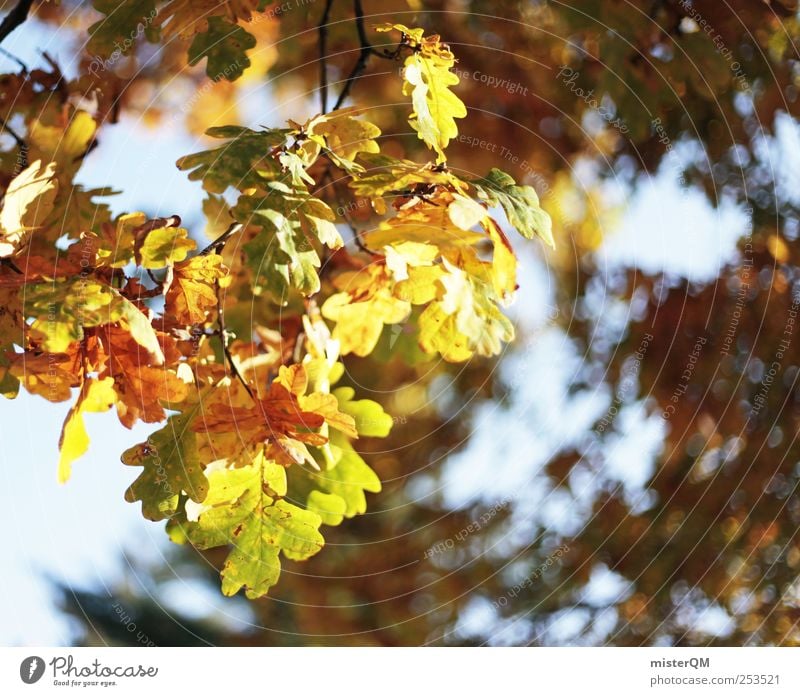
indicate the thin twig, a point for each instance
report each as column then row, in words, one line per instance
column 10, row 264
column 17, row 138
column 14, row 18
column 366, row 49
column 349, row 220
column 216, row 246
column 18, row 61
column 219, row 242
column 322, row 29
column 224, row 336
column 363, row 55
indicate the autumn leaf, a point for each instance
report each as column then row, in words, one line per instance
column 242, row 162
column 96, row 396
column 49, row 375
column 28, row 200
column 244, row 508
column 144, row 388
column 63, row 145
column 365, row 304
column 192, row 291
column 335, row 239
column 164, row 246
column 225, row 45
column 520, row 203
column 343, row 136
column 428, row 78
column 120, row 22
column 171, row 466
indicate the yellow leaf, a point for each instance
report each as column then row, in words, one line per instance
column 116, row 244
column 424, row 223
column 504, row 263
column 96, row 396
column 327, row 406
column 421, row 286
column 63, row 145
column 428, row 79
column 344, row 134
column 28, row 200
column 362, row 310
column 192, row 293
column 164, row 246
column 465, row 212
column 438, row 334
column 400, row 256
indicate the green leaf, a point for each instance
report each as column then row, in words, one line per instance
column 171, row 465
column 253, row 564
column 244, row 508
column 62, row 309
column 520, row 203
column 349, row 479
column 243, row 162
column 371, row 420
column 225, row 46
column 124, row 22
column 339, row 491
column 282, row 255
column 331, row 508
column 164, row 246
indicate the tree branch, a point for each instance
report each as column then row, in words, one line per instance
column 224, row 337
column 219, row 242
column 17, row 138
column 366, row 49
column 363, row 55
column 14, row 18
column 11, row 56
column 322, row 29
column 216, row 246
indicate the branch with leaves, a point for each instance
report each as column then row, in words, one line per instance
column 258, row 453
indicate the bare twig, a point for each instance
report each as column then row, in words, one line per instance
column 216, row 246
column 8, row 129
column 10, row 264
column 23, row 146
column 11, row 56
column 363, row 55
column 366, row 49
column 224, row 337
column 14, row 18
column 322, row 29
column 219, row 242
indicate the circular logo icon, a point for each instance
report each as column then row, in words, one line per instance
column 31, row 669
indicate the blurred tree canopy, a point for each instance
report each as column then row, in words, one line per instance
column 573, row 99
